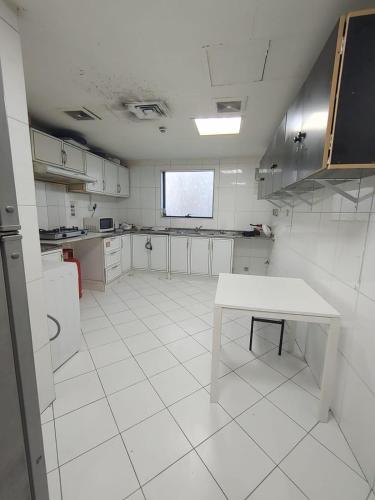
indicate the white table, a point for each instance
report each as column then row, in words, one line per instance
column 290, row 299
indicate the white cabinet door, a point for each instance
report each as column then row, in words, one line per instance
column 74, row 158
column 123, row 181
column 159, row 253
column 179, row 246
column 46, row 148
column 199, row 255
column 126, row 250
column 221, row 255
column 139, row 251
column 110, row 178
column 94, row 168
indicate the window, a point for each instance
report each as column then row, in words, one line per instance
column 188, row 194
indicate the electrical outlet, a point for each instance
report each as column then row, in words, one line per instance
column 92, row 207
column 246, row 269
column 72, row 208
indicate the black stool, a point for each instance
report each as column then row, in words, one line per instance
column 273, row 321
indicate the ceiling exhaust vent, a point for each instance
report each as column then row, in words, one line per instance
column 228, row 106
column 82, row 114
column 147, row 110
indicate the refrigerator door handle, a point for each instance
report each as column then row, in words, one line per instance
column 58, row 327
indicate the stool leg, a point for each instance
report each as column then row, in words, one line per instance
column 251, row 333
column 281, row 336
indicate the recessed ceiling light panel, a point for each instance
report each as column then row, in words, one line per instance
column 218, row 126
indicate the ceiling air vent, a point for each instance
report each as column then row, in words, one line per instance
column 147, row 110
column 82, row 114
column 228, row 106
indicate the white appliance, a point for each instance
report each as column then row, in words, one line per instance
column 45, row 172
column 99, row 224
column 62, row 300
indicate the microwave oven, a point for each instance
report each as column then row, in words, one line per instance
column 99, row 224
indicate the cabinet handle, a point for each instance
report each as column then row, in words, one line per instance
column 103, row 185
column 300, row 137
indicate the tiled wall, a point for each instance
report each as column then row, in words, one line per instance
column 330, row 242
column 53, row 205
column 235, row 205
column 16, row 108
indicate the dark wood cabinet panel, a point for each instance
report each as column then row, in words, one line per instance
column 354, row 137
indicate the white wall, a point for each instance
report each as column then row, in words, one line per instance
column 53, row 205
column 331, row 244
column 16, row 109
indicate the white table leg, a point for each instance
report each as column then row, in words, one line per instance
column 329, row 370
column 216, row 347
column 292, row 327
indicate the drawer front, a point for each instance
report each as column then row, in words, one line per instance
column 111, row 244
column 112, row 258
column 112, row 273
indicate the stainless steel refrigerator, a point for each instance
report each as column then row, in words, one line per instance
column 22, row 464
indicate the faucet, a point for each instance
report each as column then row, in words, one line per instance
column 198, row 228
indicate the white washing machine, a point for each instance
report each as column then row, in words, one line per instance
column 62, row 297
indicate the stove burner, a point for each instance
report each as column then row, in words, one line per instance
column 60, row 233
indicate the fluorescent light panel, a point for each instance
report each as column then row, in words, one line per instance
column 218, row 126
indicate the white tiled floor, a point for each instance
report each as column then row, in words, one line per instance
column 132, row 419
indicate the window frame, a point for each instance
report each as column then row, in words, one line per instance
column 162, row 190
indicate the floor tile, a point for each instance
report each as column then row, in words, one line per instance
column 53, row 479
column 305, row 379
column 134, row 404
column 138, row 495
column 271, row 333
column 114, row 308
column 168, row 305
column 122, row 317
column 90, row 325
column 205, row 339
column 187, row 479
column 142, row 343
column 132, row 328
column 235, row 395
column 193, row 325
column 101, row 337
column 278, row 487
column 137, row 302
column 155, row 444
column 233, row 330
column 146, row 311
column 200, row 309
column 49, row 444
column 330, row 435
column 104, row 472
column 234, row 356
column 200, row 367
column 109, row 353
column 235, row 461
column 91, row 312
column 179, row 314
column 169, row 333
column 78, row 364
column 157, row 320
column 76, row 392
column 320, row 475
column 83, row 429
column 198, row 418
column 263, row 378
column 156, row 361
column 174, row 384
column 47, row 415
column 271, row 429
column 297, row 403
column 87, row 300
column 260, row 345
column 286, row 364
column 186, row 349
column 120, row 375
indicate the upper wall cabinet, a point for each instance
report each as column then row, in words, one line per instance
column 46, row 149
column 73, row 157
column 327, row 131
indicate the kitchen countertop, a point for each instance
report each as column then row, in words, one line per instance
column 171, row 232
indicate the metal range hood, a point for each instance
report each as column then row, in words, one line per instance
column 50, row 173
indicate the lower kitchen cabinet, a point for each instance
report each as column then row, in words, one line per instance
column 221, row 256
column 139, row 251
column 178, row 254
column 199, row 255
column 126, row 253
column 158, row 252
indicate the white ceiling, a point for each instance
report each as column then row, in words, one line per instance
column 97, row 53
